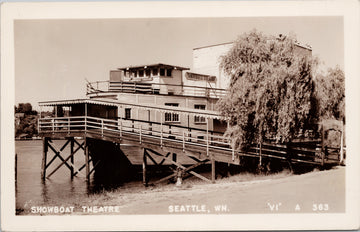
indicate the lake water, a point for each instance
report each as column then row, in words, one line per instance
column 30, row 189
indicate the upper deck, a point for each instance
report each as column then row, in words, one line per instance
column 159, row 79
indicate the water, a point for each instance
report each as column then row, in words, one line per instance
column 30, row 189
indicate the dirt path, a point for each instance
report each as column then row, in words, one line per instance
column 322, row 191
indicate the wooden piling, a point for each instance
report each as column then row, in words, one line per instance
column 43, row 163
column 72, row 157
column 87, row 167
column 213, row 171
column 15, row 167
column 144, row 165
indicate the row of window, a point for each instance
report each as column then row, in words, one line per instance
column 173, row 117
column 199, row 77
column 149, row 72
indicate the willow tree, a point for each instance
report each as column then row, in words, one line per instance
column 330, row 90
column 271, row 92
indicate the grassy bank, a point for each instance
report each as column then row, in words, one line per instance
column 135, row 192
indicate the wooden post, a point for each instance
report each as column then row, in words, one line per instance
column 120, row 127
column 85, row 120
column 15, row 167
column 207, row 137
column 174, row 158
column 260, row 154
column 144, row 165
column 150, row 124
column 161, row 130
column 72, row 157
column 322, row 145
column 43, row 163
column 341, row 160
column 189, row 129
column 102, row 128
column 38, row 125
column 87, row 167
column 232, row 150
column 140, row 133
column 213, row 171
column 183, row 140
column 289, row 156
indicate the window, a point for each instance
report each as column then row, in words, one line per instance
column 172, row 117
column 199, row 119
column 155, row 72
column 162, row 72
column 147, row 72
column 168, row 72
column 141, row 73
column 127, row 113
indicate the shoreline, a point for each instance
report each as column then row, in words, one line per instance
column 137, row 199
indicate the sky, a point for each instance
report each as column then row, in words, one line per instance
column 53, row 58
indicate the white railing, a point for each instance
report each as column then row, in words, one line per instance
column 121, row 127
column 153, row 88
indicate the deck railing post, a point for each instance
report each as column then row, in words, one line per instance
column 183, row 141
column 140, row 132
column 38, row 125
column 161, row 130
column 232, row 151
column 341, row 159
column 120, row 128
column 189, row 135
column 102, row 127
column 68, row 125
column 53, row 125
column 207, row 136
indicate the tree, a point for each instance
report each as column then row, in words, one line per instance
column 271, row 93
column 330, row 90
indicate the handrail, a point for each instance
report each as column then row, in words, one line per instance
column 152, row 88
column 120, row 126
column 183, row 136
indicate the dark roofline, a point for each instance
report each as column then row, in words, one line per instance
column 213, row 45
column 154, row 65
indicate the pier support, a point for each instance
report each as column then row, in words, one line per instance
column 87, row 165
column 44, row 157
column 68, row 161
column 213, row 170
column 72, row 158
column 179, row 168
column 144, row 165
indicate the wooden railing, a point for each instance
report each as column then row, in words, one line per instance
column 152, row 88
column 310, row 152
column 142, row 129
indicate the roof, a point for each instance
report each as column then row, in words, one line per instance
column 155, row 107
column 153, row 65
column 76, row 101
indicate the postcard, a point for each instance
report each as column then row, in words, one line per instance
column 179, row 115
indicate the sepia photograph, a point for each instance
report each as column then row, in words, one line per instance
column 158, row 117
